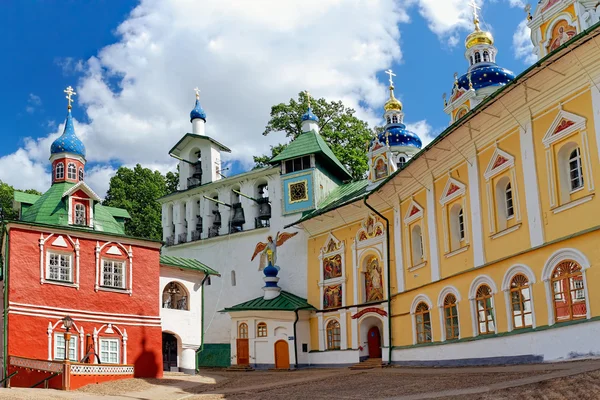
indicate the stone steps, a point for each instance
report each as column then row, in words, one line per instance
column 239, row 368
column 369, row 363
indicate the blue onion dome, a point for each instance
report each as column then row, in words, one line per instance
column 398, row 136
column 197, row 112
column 270, row 271
column 309, row 116
column 68, row 142
column 484, row 75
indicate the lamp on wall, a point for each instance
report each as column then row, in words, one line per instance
column 67, row 323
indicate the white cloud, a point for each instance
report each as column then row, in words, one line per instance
column 423, row 130
column 20, row 171
column 446, row 18
column 522, row 44
column 33, row 102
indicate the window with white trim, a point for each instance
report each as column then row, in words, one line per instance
column 457, row 227
column 570, row 171
column 113, row 274
column 59, row 347
column 575, row 169
column 510, row 209
column 80, row 174
column 60, row 171
column 80, row 215
column 72, row 171
column 477, row 57
column 417, row 245
column 109, row 350
column 60, row 267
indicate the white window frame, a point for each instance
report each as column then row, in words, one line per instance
column 103, row 283
column 78, row 207
column 578, row 168
column 72, row 346
column 81, row 173
column 69, row 256
column 72, row 176
column 461, row 224
column 60, row 167
column 109, row 352
column 508, row 197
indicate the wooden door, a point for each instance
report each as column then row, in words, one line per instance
column 374, row 341
column 243, row 354
column 282, row 355
column 169, row 351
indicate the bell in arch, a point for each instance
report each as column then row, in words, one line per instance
column 264, row 209
column 217, row 220
column 238, row 215
column 199, row 223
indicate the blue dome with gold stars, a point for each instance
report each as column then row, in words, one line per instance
column 198, row 112
column 309, row 116
column 484, row 75
column 68, row 142
column 398, row 136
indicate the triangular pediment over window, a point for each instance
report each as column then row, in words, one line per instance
column 499, row 162
column 563, row 125
column 82, row 187
column 415, row 211
column 452, row 190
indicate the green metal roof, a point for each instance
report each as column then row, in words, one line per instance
column 117, row 212
column 340, row 196
column 187, row 263
column 284, row 302
column 25, row 198
column 312, row 143
column 51, row 209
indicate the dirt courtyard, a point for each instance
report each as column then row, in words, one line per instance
column 567, row 380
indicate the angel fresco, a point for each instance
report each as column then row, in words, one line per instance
column 268, row 251
column 373, row 286
column 332, row 267
column 561, row 34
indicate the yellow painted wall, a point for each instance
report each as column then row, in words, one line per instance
column 582, row 216
column 422, row 275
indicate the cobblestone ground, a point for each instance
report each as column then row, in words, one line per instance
column 569, row 380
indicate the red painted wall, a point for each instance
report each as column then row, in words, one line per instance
column 78, row 381
column 27, row 335
column 27, row 378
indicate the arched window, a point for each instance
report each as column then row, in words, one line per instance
column 575, row 170
column 80, row 215
column 451, row 317
column 394, row 119
column 461, row 225
column 388, row 119
column 401, row 162
column 60, row 171
column 457, row 227
column 72, row 171
column 486, row 56
column 568, row 292
column 233, row 278
column 423, row 323
column 80, row 174
column 520, row 299
column 477, row 57
column 504, row 203
column 417, row 245
column 333, row 335
column 471, row 59
column 485, row 310
column 261, row 329
column 243, row 331
column 175, row 297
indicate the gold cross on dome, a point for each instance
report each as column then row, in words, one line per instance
column 70, row 93
column 197, row 92
column 391, row 74
column 308, row 97
column 475, row 7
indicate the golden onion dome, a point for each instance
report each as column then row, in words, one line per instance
column 478, row 37
column 393, row 103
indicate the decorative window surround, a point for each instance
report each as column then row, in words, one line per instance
column 499, row 162
column 572, row 204
column 128, row 268
column 114, row 264
column 510, row 273
column 332, row 248
column 421, row 298
column 555, row 259
column 373, row 243
column 109, row 350
column 59, row 337
column 415, row 213
column 110, row 329
column 60, row 325
column 457, row 251
column 453, row 190
column 44, row 259
column 441, row 298
column 505, row 231
column 477, row 282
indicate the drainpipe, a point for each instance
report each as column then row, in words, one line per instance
column 206, row 276
column 4, row 234
column 296, row 336
column 389, row 274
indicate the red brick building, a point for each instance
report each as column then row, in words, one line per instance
column 67, row 255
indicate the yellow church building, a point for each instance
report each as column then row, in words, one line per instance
column 481, row 247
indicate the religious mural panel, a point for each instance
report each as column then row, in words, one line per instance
column 373, row 284
column 370, row 228
column 332, row 267
column 332, row 297
column 561, row 33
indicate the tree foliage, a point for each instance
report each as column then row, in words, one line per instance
column 137, row 190
column 347, row 135
column 6, row 199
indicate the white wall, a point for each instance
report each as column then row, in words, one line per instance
column 327, row 358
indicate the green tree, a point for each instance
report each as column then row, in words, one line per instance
column 137, row 190
column 172, row 179
column 6, row 199
column 263, row 161
column 347, row 135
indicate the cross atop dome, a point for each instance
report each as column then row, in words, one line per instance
column 475, row 7
column 70, row 93
column 197, row 92
column 198, row 112
column 391, row 74
column 309, row 117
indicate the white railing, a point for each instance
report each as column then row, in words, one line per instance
column 99, row 369
column 41, row 365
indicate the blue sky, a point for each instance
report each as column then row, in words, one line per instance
column 134, row 73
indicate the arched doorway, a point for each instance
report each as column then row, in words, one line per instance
column 282, row 355
column 169, row 350
column 374, row 341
